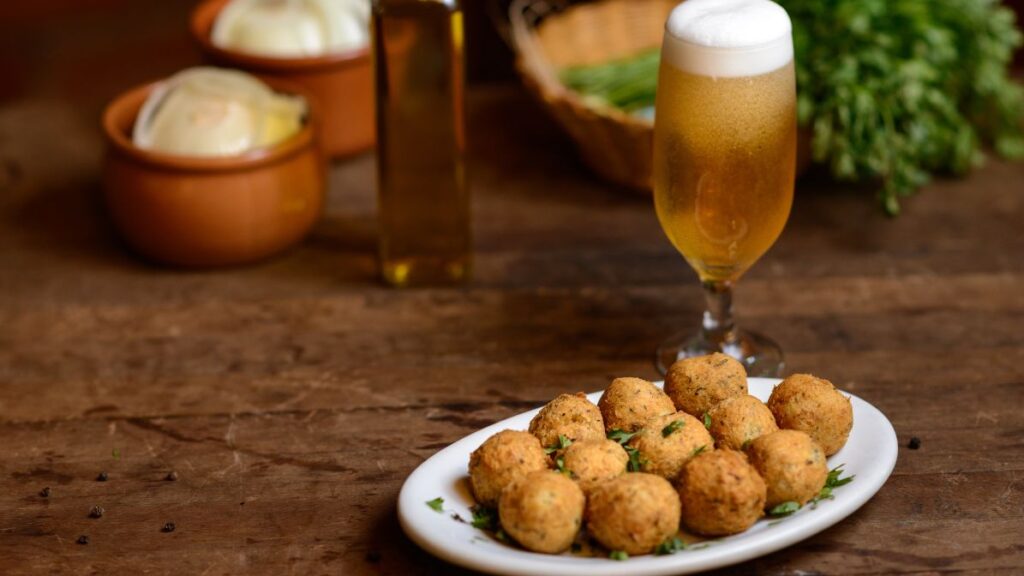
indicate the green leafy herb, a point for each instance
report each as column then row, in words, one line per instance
column 670, row 546
column 672, row 427
column 560, row 465
column 707, row 420
column 621, row 436
column 698, row 450
column 437, row 504
column 746, row 444
column 636, row 461
column 484, row 518
column 895, row 90
column 618, row 555
column 784, row 509
column 563, row 443
column 833, row 481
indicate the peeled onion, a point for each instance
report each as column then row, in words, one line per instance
column 292, row 28
column 215, row 112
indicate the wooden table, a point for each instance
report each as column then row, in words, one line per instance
column 293, row 397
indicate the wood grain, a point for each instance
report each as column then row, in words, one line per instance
column 293, row 397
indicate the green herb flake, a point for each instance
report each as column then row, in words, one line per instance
column 563, row 443
column 784, row 509
column 484, row 518
column 698, row 450
column 835, row 480
column 636, row 462
column 707, row 420
column 670, row 546
column 618, row 555
column 621, row 436
column 501, row 535
column 672, row 427
column 437, row 504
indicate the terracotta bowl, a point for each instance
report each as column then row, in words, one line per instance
column 341, row 83
column 201, row 211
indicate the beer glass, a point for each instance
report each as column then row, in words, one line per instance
column 724, row 158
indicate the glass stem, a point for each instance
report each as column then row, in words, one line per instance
column 718, row 326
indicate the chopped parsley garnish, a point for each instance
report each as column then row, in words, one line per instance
column 621, row 436
column 484, row 518
column 707, row 420
column 832, row 482
column 560, row 465
column 563, row 443
column 636, row 461
column 437, row 504
column 784, row 509
column 698, row 450
column 618, row 555
column 672, row 427
column 670, row 546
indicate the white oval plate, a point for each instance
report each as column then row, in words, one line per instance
column 870, row 454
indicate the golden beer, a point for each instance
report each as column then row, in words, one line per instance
column 724, row 164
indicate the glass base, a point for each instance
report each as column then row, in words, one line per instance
column 758, row 354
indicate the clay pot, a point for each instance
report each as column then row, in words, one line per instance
column 203, row 211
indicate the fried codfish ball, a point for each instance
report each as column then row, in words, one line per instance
column 792, row 465
column 542, row 511
column 813, row 405
column 629, row 402
column 634, row 512
column 721, row 493
column 591, row 462
column 696, row 384
column 666, row 443
column 502, row 458
column 738, row 420
column 569, row 415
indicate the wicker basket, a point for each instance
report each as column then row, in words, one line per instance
column 546, row 39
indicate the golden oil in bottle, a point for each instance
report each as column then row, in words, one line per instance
column 423, row 200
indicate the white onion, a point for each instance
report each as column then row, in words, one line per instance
column 215, row 112
column 292, row 28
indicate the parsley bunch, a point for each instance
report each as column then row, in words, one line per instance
column 895, row 90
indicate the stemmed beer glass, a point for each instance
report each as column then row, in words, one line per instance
column 724, row 158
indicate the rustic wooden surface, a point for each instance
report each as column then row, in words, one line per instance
column 293, row 397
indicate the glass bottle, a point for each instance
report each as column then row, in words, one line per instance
column 423, row 199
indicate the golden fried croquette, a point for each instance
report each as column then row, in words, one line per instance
column 738, row 420
column 667, row 442
column 629, row 402
column 502, row 458
column 696, row 384
column 542, row 511
column 633, row 512
column 792, row 465
column 813, row 405
column 591, row 462
column 569, row 415
column 721, row 493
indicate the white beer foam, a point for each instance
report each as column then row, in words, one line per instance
column 728, row 38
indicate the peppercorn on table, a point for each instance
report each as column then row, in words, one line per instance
column 261, row 420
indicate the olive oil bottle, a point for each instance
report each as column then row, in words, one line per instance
column 423, row 200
